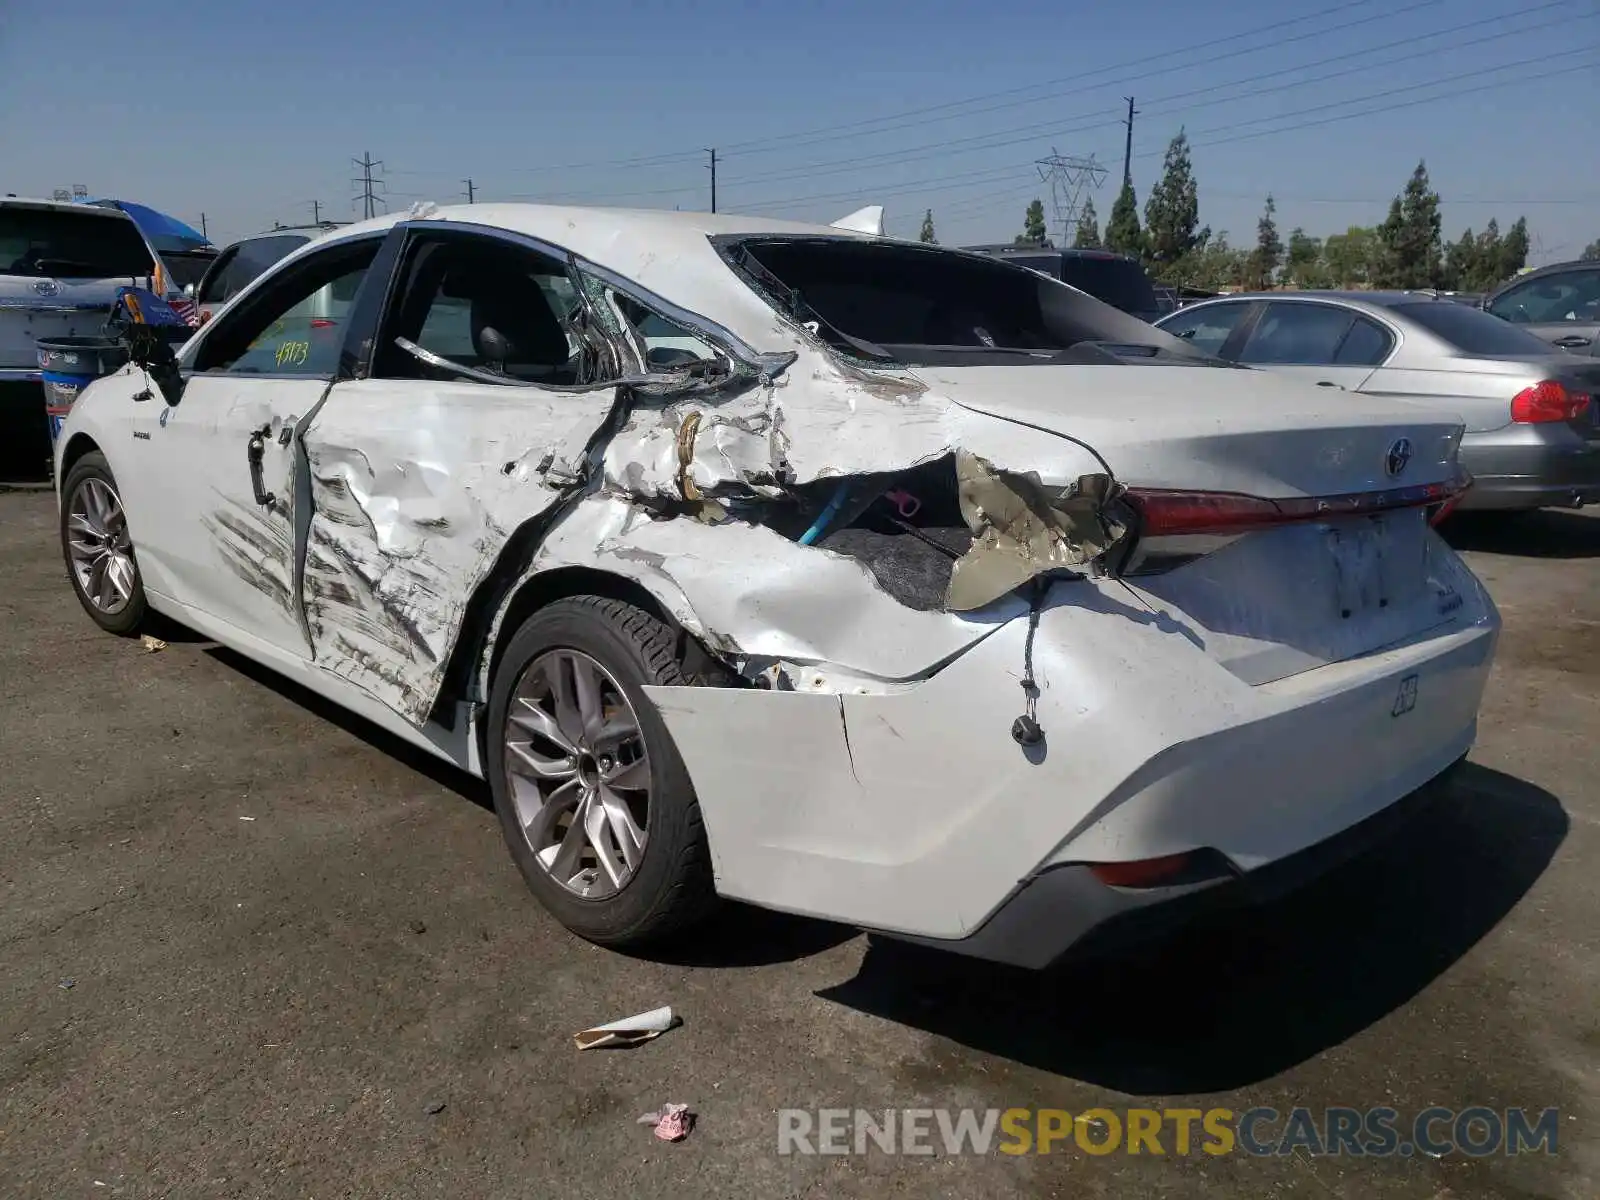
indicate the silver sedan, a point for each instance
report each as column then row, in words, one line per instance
column 1533, row 425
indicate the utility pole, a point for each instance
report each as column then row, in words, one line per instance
column 316, row 212
column 204, row 232
column 369, row 198
column 713, row 154
column 471, row 191
column 1127, row 145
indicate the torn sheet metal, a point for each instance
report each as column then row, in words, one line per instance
column 1022, row 528
column 415, row 494
column 863, row 220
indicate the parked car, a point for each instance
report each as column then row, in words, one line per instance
column 238, row 264
column 740, row 605
column 1532, row 428
column 60, row 266
column 181, row 254
column 1115, row 278
column 1559, row 303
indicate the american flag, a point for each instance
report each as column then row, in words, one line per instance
column 185, row 308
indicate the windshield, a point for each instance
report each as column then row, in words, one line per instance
column 903, row 303
column 1115, row 280
column 62, row 243
column 188, row 267
column 1471, row 330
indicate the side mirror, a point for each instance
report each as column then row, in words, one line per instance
column 188, row 290
column 150, row 350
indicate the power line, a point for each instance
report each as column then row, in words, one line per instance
column 749, row 146
column 941, row 149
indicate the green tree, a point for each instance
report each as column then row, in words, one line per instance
column 1514, row 250
column 1034, row 231
column 1215, row 265
column 1122, row 231
column 927, row 234
column 1486, row 259
column 1087, row 235
column 1172, row 213
column 1269, row 249
column 1350, row 256
column 1591, row 252
column 1460, row 264
column 1303, row 265
column 1409, row 236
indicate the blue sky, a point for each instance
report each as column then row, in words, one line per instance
column 249, row 113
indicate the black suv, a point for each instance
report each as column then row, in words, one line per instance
column 1115, row 278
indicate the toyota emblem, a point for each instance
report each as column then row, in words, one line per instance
column 1397, row 458
column 46, row 287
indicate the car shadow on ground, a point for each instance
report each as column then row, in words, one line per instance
column 1240, row 998
column 417, row 759
column 1547, row 533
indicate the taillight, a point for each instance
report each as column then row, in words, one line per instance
column 1165, row 513
column 1547, row 401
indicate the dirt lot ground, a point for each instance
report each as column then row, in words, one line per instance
column 288, row 939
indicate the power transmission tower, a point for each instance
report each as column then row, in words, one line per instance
column 367, row 197
column 472, row 192
column 713, row 154
column 1068, row 177
column 1127, row 145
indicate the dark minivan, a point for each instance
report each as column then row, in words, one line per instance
column 1115, row 278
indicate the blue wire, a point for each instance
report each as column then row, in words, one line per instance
column 821, row 524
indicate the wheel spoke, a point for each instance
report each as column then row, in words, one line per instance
column 586, row 683
column 629, row 837
column 525, row 762
column 80, row 523
column 568, row 716
column 629, row 777
column 120, row 572
column 596, row 824
column 530, row 718
column 567, row 860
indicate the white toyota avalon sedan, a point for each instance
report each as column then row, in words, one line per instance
column 796, row 565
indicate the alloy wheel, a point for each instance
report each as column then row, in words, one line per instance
column 98, row 545
column 578, row 772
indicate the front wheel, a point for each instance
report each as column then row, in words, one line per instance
column 594, row 801
column 98, row 548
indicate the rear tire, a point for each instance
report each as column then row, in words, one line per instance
column 98, row 549
column 613, row 776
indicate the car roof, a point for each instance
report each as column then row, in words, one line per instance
column 1377, row 300
column 1561, row 268
column 1064, row 251
column 111, row 214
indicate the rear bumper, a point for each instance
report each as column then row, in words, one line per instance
column 24, row 429
column 1528, row 467
column 913, row 812
column 1065, row 910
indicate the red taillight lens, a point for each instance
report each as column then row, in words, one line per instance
column 1144, row 872
column 322, row 323
column 1547, row 401
column 1164, row 513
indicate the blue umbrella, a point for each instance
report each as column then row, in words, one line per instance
column 163, row 232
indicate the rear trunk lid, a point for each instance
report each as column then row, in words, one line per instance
column 34, row 308
column 1288, row 587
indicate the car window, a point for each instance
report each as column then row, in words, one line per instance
column 666, row 342
column 1207, row 328
column 1118, row 281
column 1471, row 330
column 64, row 243
column 487, row 304
column 1571, row 296
column 213, row 288
column 1296, row 335
column 295, row 325
column 1366, row 345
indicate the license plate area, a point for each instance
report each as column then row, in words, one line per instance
column 1377, row 564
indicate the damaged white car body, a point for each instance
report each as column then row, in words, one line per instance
column 856, row 578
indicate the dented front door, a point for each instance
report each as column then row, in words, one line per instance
column 415, row 488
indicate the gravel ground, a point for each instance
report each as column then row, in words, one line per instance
column 289, row 940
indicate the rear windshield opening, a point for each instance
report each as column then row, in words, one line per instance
column 890, row 303
column 1471, row 330
column 58, row 243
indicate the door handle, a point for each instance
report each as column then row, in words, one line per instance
column 254, row 450
column 1330, row 383
column 1571, row 342
column 286, row 434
